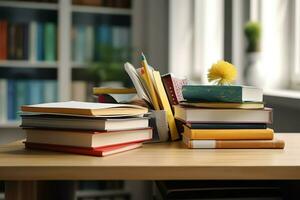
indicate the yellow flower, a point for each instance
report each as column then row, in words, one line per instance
column 222, row 72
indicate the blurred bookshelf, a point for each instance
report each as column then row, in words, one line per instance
column 45, row 52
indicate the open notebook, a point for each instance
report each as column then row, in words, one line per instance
column 77, row 108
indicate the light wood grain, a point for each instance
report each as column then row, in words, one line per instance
column 155, row 162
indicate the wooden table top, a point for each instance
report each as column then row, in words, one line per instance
column 165, row 161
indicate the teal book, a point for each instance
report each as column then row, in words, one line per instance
column 216, row 93
column 11, row 87
column 80, row 47
column 50, row 42
column 21, row 95
column 50, row 91
column 35, row 91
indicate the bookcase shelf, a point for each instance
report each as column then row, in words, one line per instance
column 29, row 5
column 101, row 10
column 27, row 64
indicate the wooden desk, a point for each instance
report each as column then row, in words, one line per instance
column 167, row 161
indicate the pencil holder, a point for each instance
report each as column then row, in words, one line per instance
column 158, row 121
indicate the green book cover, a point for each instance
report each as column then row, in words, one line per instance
column 50, row 42
column 213, row 93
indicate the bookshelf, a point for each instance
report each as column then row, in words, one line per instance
column 64, row 15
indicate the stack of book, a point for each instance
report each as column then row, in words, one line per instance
column 225, row 117
column 85, row 128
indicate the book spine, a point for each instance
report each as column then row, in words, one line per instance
column 50, row 91
column 26, row 39
column 3, row 100
column 50, row 42
column 3, row 40
column 19, row 42
column 212, row 94
column 35, row 91
column 89, row 42
column 11, row 113
column 169, row 87
column 104, row 41
column 229, row 134
column 233, row 144
column 21, row 95
column 226, row 126
column 33, row 41
column 40, row 42
column 80, row 47
column 12, row 42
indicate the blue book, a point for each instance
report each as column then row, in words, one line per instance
column 40, row 42
column 50, row 91
column 216, row 93
column 35, row 91
column 11, row 113
column 103, row 40
column 21, row 95
column 80, row 46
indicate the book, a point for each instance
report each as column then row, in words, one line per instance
column 226, row 126
column 50, row 41
column 3, row 39
column 162, row 96
column 79, row 44
column 79, row 90
column 22, row 98
column 40, row 50
column 12, row 41
column 35, row 91
column 204, row 115
column 87, row 138
column 244, row 105
column 103, row 41
column 86, row 109
column 83, row 123
column 33, row 41
column 89, row 43
column 173, row 87
column 233, row 144
column 25, row 44
column 216, row 93
column 3, row 100
column 19, row 42
column 11, row 97
column 102, row 151
column 228, row 134
column 50, row 91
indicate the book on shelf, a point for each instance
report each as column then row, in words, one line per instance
column 3, row 39
column 233, row 144
column 204, row 115
column 86, row 109
column 50, row 41
column 213, row 93
column 94, row 139
column 79, row 91
column 35, row 91
column 40, row 42
column 50, row 91
column 101, row 151
column 228, row 134
column 3, row 100
column 83, row 123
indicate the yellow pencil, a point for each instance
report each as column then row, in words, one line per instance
column 150, row 83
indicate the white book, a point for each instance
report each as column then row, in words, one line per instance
column 79, row 91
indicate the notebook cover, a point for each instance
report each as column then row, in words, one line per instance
column 103, row 151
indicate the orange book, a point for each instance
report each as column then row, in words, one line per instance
column 233, row 144
column 228, row 134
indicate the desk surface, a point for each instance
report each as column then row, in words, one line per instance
column 154, row 162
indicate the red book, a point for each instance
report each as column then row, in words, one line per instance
column 102, row 151
column 173, row 87
column 3, row 40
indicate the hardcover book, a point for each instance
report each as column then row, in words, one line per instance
column 216, row 93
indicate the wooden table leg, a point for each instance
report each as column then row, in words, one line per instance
column 35, row 190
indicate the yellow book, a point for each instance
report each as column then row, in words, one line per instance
column 228, row 134
column 101, row 90
column 166, row 105
column 245, row 105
